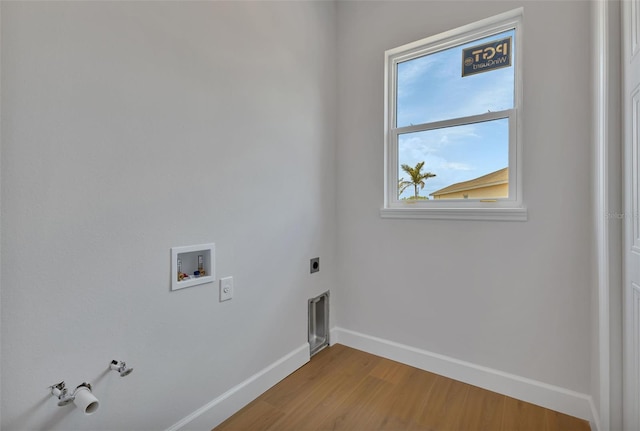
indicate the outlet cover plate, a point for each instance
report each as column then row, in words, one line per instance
column 314, row 265
column 226, row 288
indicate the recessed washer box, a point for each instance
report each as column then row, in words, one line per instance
column 192, row 265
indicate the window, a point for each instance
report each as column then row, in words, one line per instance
column 452, row 139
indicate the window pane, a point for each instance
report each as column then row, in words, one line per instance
column 431, row 88
column 469, row 162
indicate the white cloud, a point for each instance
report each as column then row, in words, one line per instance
column 457, row 166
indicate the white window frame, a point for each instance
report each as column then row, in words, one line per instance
column 509, row 209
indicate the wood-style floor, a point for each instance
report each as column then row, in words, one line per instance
column 346, row 389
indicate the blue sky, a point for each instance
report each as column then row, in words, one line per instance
column 431, row 88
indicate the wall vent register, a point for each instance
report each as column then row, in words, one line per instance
column 319, row 323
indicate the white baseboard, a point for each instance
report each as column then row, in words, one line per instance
column 549, row 396
column 532, row 391
column 218, row 410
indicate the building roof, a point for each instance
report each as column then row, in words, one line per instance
column 494, row 178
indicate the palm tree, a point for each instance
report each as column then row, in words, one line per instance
column 416, row 178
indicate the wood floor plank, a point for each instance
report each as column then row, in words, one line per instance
column 328, row 393
column 444, row 405
column 257, row 416
column 521, row 416
column 293, row 390
column 483, row 410
column 390, row 371
column 361, row 409
column 560, row 422
column 409, row 399
column 347, row 389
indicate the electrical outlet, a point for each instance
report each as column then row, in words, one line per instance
column 314, row 265
column 226, row 288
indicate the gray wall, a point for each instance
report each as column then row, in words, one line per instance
column 130, row 128
column 511, row 296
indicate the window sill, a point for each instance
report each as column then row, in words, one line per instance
column 485, row 214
